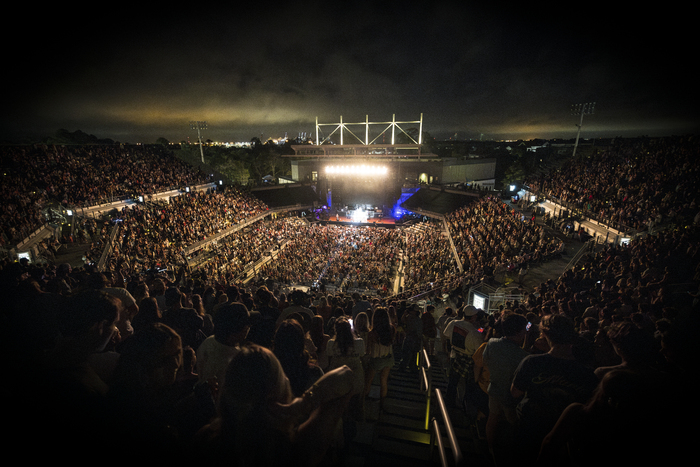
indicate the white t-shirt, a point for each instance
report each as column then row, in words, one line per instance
column 212, row 359
column 464, row 336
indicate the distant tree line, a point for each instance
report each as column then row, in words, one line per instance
column 62, row 137
column 241, row 165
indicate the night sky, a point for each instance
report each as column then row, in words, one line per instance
column 498, row 72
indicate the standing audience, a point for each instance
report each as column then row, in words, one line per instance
column 380, row 352
column 546, row 384
column 604, row 369
column 261, row 422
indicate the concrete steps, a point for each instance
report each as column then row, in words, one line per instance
column 396, row 433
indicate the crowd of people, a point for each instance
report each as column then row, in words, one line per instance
column 595, row 363
column 346, row 257
column 37, row 176
column 414, row 259
column 157, row 235
column 490, row 236
column 153, row 361
column 181, row 361
column 230, row 258
column 636, row 183
column 428, row 256
column 149, row 357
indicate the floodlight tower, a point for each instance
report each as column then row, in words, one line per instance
column 197, row 125
column 581, row 109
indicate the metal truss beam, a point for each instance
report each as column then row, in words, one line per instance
column 342, row 127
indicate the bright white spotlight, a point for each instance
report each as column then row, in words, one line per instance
column 359, row 215
column 360, row 170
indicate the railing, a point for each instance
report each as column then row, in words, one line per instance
column 39, row 230
column 579, row 254
column 576, row 209
column 431, row 423
column 108, row 247
column 452, row 245
column 226, row 232
column 436, row 436
column 426, row 382
column 108, row 200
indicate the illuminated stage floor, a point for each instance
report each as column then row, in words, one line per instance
column 379, row 221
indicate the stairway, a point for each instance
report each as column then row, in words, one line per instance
column 397, row 435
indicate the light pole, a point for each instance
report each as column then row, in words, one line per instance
column 581, row 109
column 197, row 125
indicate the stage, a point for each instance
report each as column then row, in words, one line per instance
column 374, row 221
column 340, row 219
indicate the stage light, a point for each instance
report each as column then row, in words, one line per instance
column 359, row 215
column 359, row 170
column 398, row 212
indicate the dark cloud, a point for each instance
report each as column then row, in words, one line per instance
column 504, row 71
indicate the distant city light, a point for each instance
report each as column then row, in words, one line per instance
column 365, row 170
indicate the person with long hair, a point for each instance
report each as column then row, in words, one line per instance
column 380, row 352
column 320, row 339
column 324, row 308
column 289, row 346
column 148, row 314
column 142, row 396
column 140, row 292
column 261, row 422
column 361, row 325
column 198, row 305
column 347, row 349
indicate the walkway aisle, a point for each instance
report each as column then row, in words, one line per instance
column 396, row 436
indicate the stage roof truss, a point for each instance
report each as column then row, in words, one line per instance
column 393, row 125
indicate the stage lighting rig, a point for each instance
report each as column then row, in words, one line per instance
column 357, row 170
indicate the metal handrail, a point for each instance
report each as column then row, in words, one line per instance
column 426, row 383
column 436, row 436
column 607, row 221
column 435, row 433
column 108, row 247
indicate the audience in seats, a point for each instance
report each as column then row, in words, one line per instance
column 98, row 355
